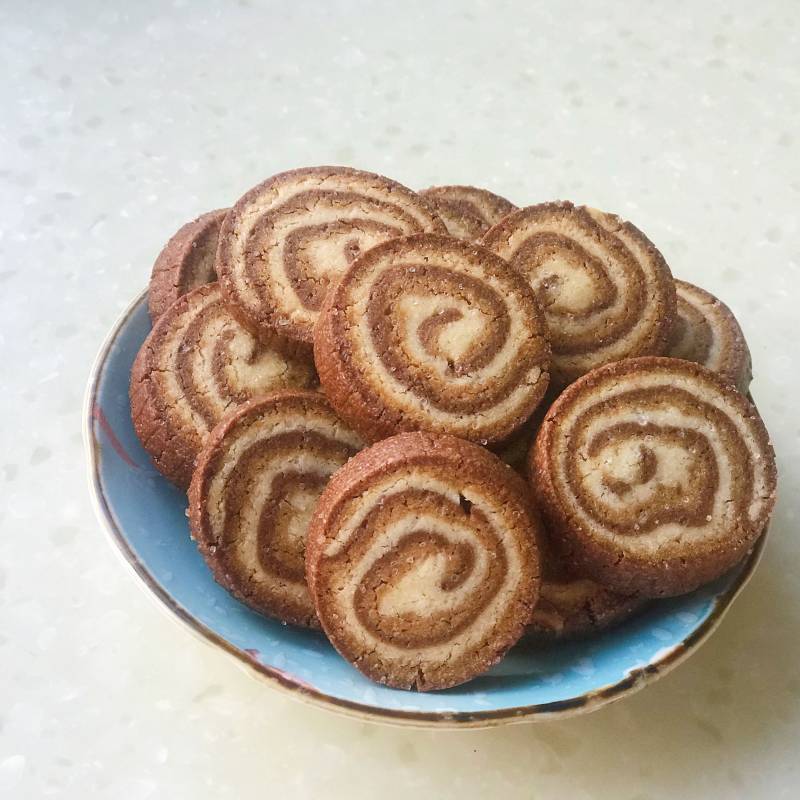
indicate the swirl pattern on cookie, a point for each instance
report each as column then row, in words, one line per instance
column 197, row 364
column 289, row 238
column 430, row 333
column 467, row 212
column 186, row 262
column 257, row 481
column 654, row 474
column 605, row 290
column 422, row 560
column 706, row 331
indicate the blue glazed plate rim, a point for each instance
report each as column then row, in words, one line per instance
column 637, row 678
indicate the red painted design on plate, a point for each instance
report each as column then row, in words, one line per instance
column 102, row 421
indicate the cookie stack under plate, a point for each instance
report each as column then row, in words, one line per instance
column 433, row 423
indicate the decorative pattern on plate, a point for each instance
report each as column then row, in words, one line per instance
column 186, row 262
column 706, row 331
column 422, row 560
column 605, row 290
column 257, row 481
column 655, row 474
column 467, row 212
column 196, row 364
column 430, row 333
column 287, row 239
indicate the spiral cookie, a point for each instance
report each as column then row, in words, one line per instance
column 422, row 560
column 706, row 331
column 196, row 364
column 257, row 481
column 430, row 333
column 287, row 239
column 466, row 211
column 186, row 262
column 655, row 475
column 570, row 605
column 605, row 290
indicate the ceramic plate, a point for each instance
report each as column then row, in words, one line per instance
column 145, row 517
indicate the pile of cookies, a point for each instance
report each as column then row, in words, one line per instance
column 430, row 423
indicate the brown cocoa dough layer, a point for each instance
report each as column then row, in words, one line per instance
column 654, row 475
column 422, row 560
column 186, row 262
column 571, row 605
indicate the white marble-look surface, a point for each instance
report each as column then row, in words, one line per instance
column 122, row 120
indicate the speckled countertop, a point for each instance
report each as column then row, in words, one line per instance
column 118, row 125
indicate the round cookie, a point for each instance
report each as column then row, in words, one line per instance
column 655, row 475
column 706, row 331
column 186, row 262
column 257, row 481
column 605, row 290
column 422, row 560
column 195, row 365
column 431, row 333
column 289, row 238
column 570, row 605
column 467, row 212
